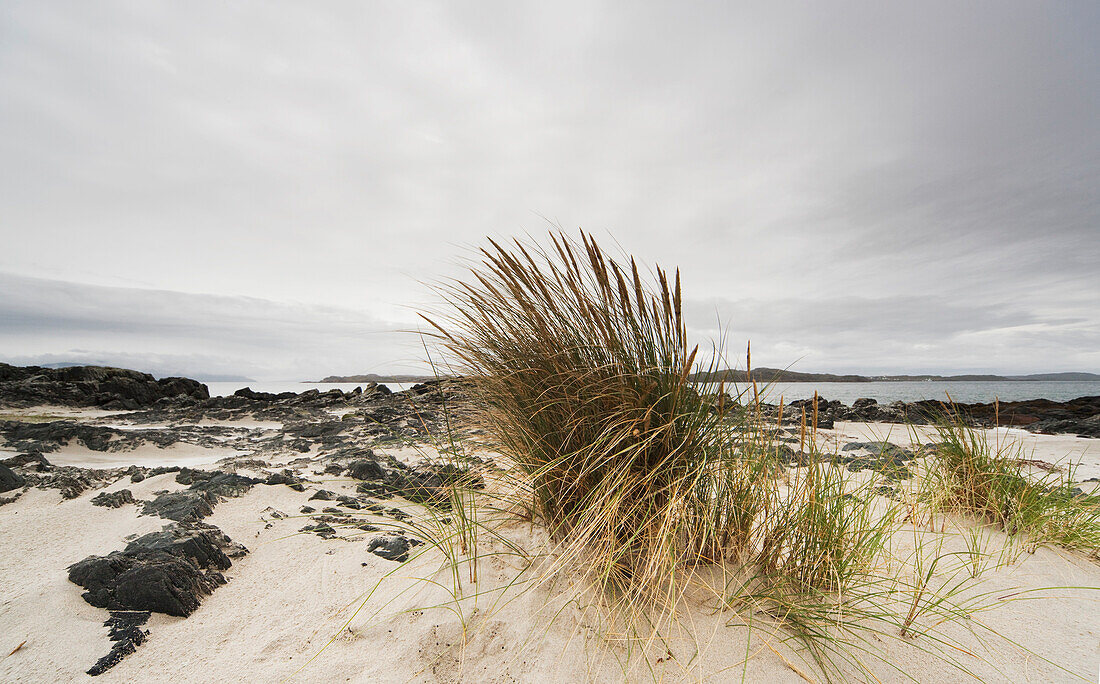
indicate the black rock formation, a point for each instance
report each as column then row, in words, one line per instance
column 165, row 572
column 113, row 499
column 126, row 632
column 112, row 388
column 394, row 547
column 9, row 479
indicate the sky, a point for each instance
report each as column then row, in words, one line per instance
column 270, row 189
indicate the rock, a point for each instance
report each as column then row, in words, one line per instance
column 91, row 386
column 322, row 495
column 366, row 470
column 394, row 547
column 207, row 489
column 126, row 632
column 71, row 481
column 225, row 485
column 22, row 460
column 184, row 506
column 348, row 502
column 51, row 436
column 113, row 499
column 286, row 477
column 165, row 572
column 321, row 529
column 9, row 479
column 307, row 509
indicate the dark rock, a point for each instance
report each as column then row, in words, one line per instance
column 113, row 499
column 91, row 386
column 323, row 495
column 286, row 477
column 51, row 436
column 366, row 470
column 9, row 479
column 394, row 547
column 307, row 509
column 321, row 529
column 126, row 632
column 22, row 460
column 165, row 572
column 72, row 482
column 207, row 489
column 187, row 505
column 225, row 485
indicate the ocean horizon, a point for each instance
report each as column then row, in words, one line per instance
column 884, row 392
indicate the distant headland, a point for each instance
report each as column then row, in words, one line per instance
column 373, row 377
column 767, row 375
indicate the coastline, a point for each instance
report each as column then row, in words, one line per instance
column 307, row 483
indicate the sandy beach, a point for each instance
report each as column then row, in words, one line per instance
column 300, row 607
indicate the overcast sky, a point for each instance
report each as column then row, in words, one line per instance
column 264, row 188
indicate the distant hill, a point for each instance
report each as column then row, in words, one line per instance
column 1064, row 377
column 372, row 377
column 768, row 375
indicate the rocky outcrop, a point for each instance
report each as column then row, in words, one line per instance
column 9, row 479
column 111, row 388
column 113, row 499
column 165, row 572
column 1079, row 416
column 127, row 635
column 207, row 489
column 394, row 547
column 51, row 436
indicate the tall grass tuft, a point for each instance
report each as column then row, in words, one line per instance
column 580, row 370
column 989, row 481
column 581, row 366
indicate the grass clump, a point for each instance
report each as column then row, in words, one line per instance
column 581, row 367
column 969, row 475
column 651, row 487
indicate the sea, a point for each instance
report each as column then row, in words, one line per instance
column 846, row 392
column 963, row 392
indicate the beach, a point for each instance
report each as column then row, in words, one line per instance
column 318, row 606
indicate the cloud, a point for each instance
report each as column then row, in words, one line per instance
column 941, row 156
column 45, row 321
column 895, row 334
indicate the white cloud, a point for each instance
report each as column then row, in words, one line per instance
column 943, row 156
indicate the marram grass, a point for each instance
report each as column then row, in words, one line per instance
column 648, row 485
column 581, row 367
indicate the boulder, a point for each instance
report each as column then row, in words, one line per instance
column 394, row 547
column 9, row 479
column 113, row 499
column 165, row 572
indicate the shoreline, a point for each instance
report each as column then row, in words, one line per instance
column 319, row 504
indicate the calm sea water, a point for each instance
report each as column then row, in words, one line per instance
column 963, row 392
column 847, row 392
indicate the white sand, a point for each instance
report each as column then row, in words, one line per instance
column 295, row 592
column 179, row 454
